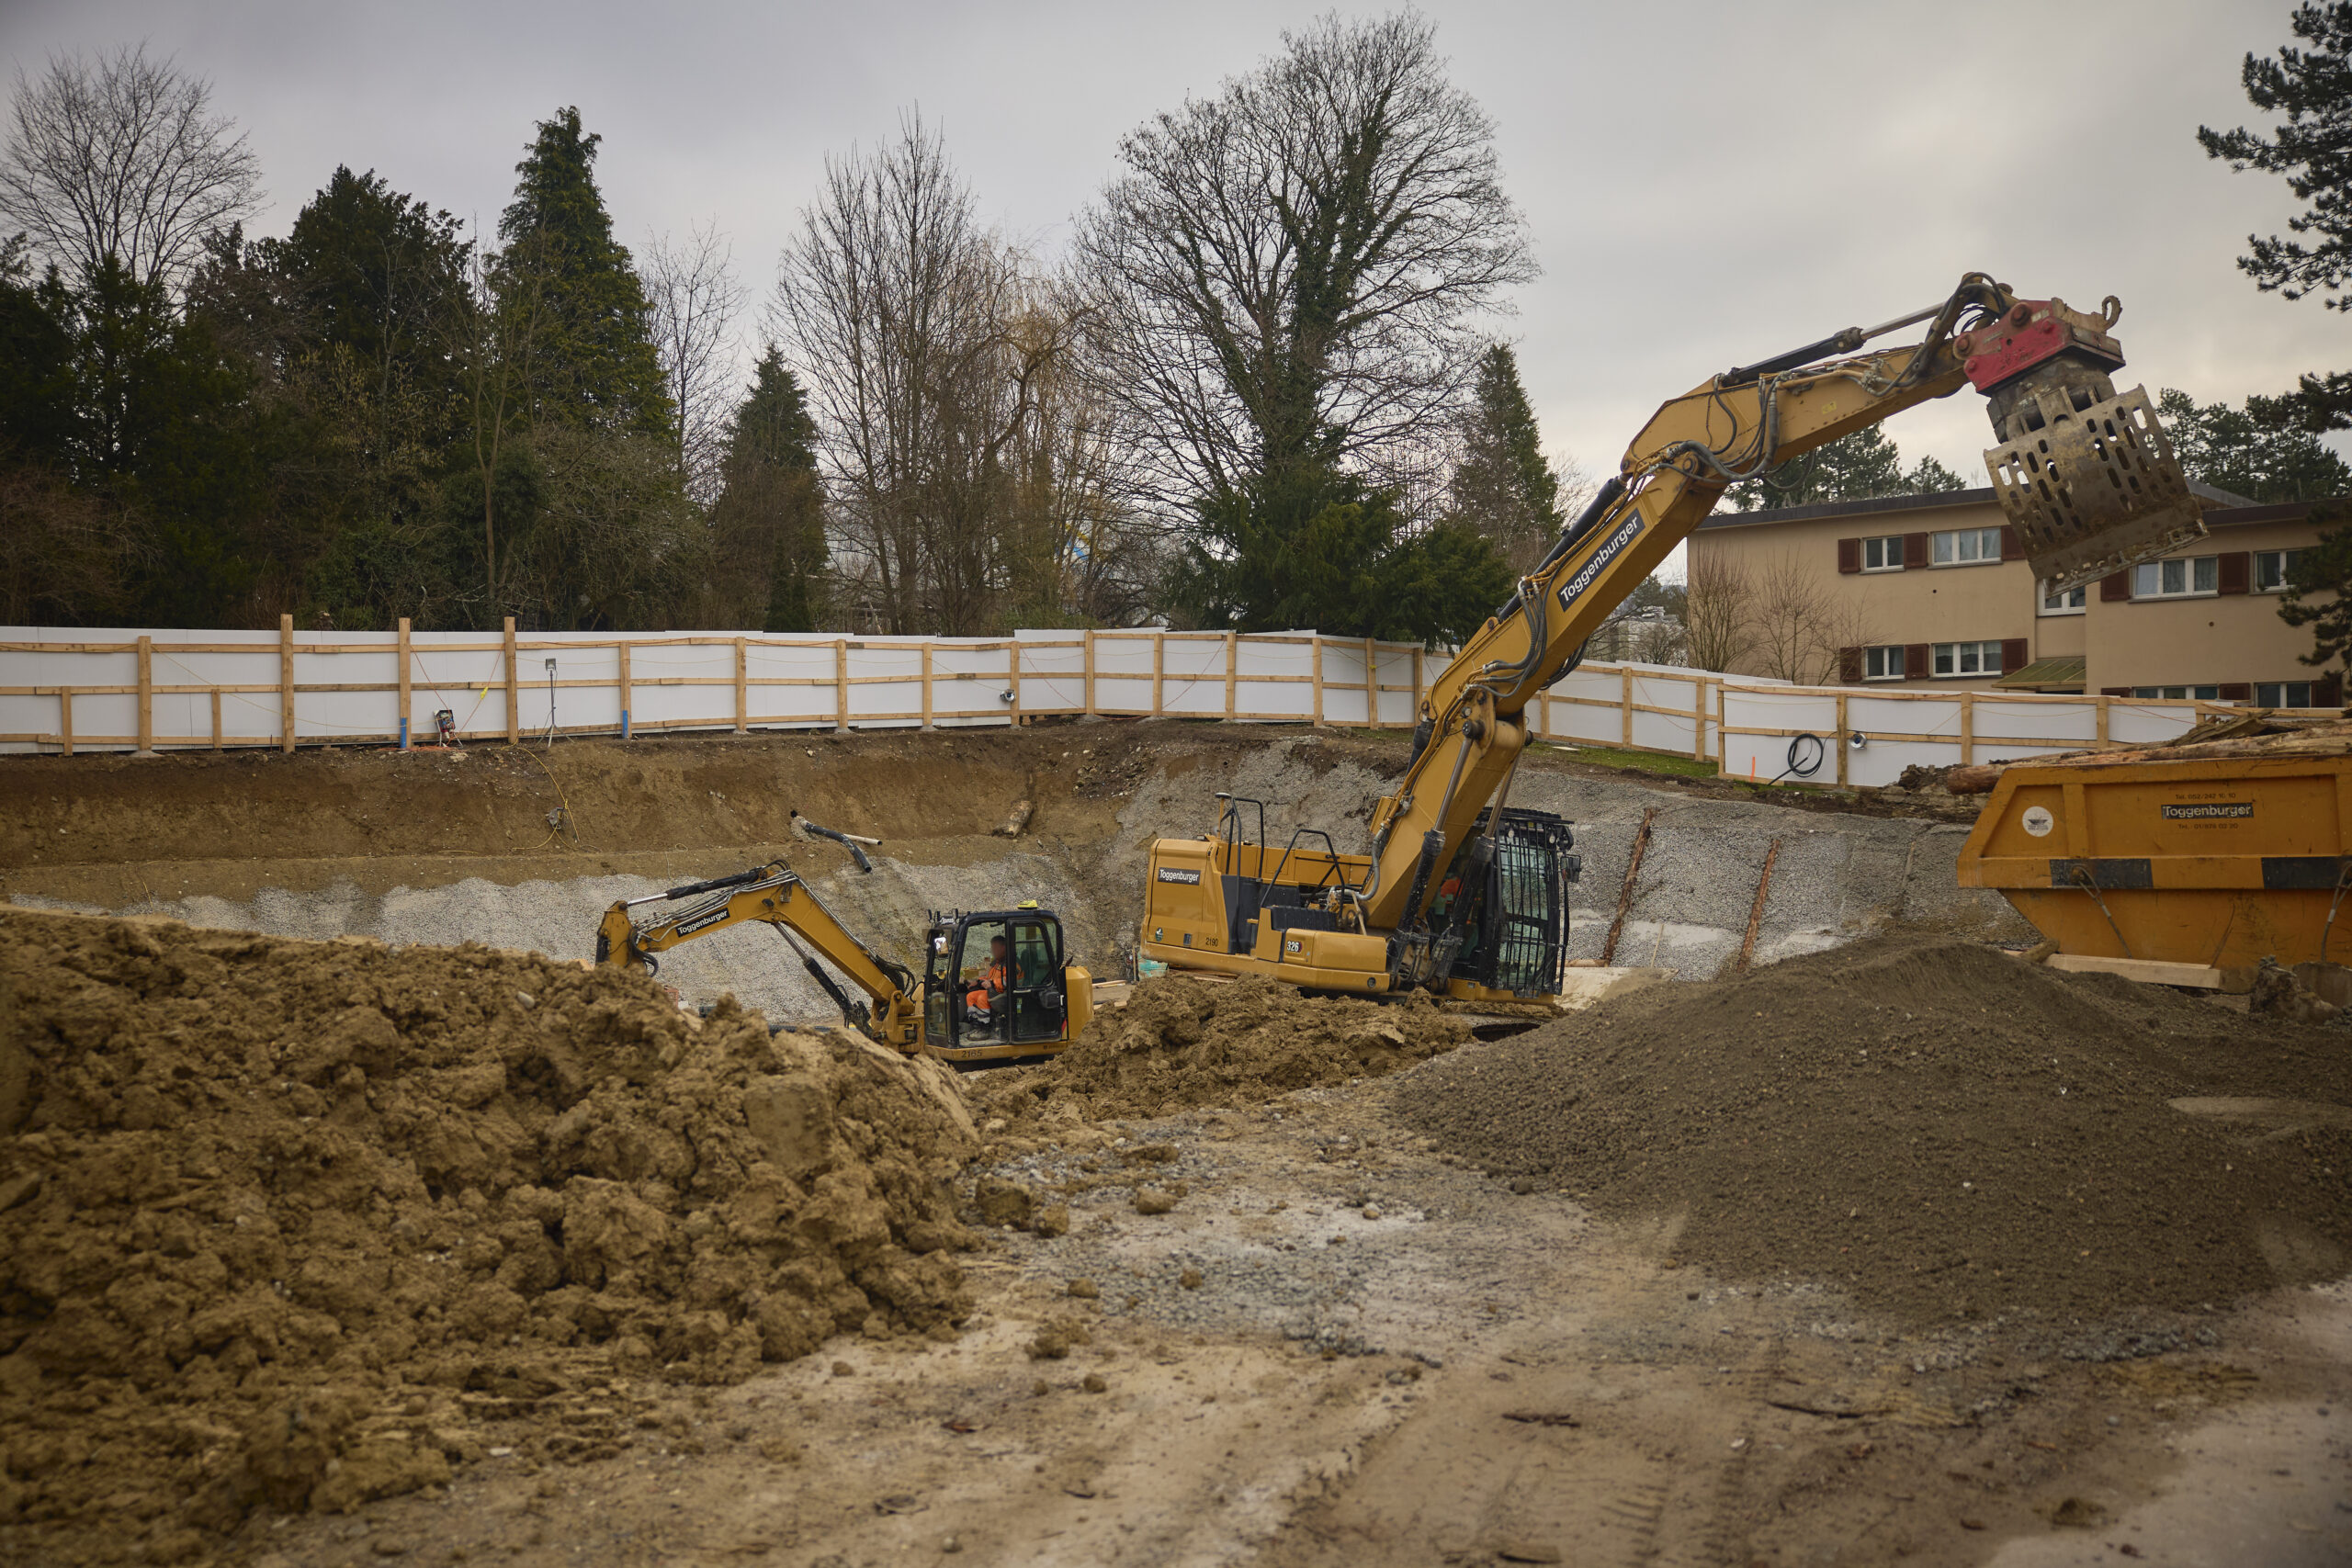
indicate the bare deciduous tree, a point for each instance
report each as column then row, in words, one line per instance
column 695, row 295
column 121, row 156
column 923, row 340
column 1287, row 272
column 1802, row 622
column 1718, row 618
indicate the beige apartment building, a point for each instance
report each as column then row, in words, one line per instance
column 1933, row 591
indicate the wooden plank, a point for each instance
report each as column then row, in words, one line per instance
column 742, row 696
column 841, row 685
column 2233, row 980
column 1838, row 743
column 286, row 684
column 1418, row 686
column 1625, row 679
column 1699, row 721
column 216, row 719
column 1625, row 894
column 1159, row 671
column 1012, row 683
column 1089, row 674
column 2103, row 703
column 1232, row 670
column 1371, row 686
column 146, row 696
column 407, row 703
column 1967, row 727
column 514, row 687
column 65, row 719
column 927, row 684
column 623, row 686
column 1756, row 910
column 1317, row 655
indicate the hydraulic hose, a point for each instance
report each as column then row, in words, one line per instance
column 1803, row 763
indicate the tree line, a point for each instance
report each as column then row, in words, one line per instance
column 1261, row 389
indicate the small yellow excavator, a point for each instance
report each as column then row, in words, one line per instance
column 994, row 990
column 1464, row 895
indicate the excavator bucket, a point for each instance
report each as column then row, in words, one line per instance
column 2093, row 490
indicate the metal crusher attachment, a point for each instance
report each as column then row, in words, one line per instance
column 2087, row 475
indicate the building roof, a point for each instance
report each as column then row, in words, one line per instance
column 2044, row 672
column 2223, row 509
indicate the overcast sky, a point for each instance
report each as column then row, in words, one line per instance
column 1704, row 183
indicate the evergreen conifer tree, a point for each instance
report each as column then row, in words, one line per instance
column 770, row 516
column 593, row 362
column 1503, row 488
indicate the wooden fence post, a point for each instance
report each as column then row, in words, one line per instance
column 216, row 719
column 286, row 684
column 742, row 688
column 841, row 685
column 1011, row 674
column 1625, row 690
column 1371, row 686
column 1967, row 727
column 926, row 683
column 65, row 719
column 401, row 641
column 1697, row 718
column 1090, row 672
column 1232, row 670
column 1314, row 653
column 1839, row 741
column 1159, row 668
column 514, row 689
column 1417, row 687
column 146, row 696
column 624, row 648
column 2102, row 719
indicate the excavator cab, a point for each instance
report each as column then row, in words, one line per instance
column 993, row 983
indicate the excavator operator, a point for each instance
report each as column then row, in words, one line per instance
column 991, row 983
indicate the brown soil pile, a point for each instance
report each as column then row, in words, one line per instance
column 1181, row 1043
column 1941, row 1130
column 278, row 1219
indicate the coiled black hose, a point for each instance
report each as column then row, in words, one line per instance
column 1800, row 764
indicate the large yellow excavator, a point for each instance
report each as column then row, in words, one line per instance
column 1462, row 895
column 995, row 988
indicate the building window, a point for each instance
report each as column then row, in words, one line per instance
column 1882, row 555
column 2282, row 694
column 2271, row 569
column 1882, row 664
column 2065, row 604
column 2179, row 693
column 1964, row 547
column 1968, row 658
column 2180, row 577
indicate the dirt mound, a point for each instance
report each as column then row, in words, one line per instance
column 1181, row 1043
column 280, row 1219
column 1938, row 1128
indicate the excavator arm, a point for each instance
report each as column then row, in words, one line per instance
column 774, row 894
column 2086, row 476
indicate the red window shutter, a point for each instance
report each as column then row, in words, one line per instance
column 2236, row 573
column 1915, row 654
column 1849, row 665
column 2012, row 654
column 2012, row 547
column 2236, row 690
column 2114, row 586
column 2327, row 692
column 1849, row 556
column 2115, row 690
column 1914, row 550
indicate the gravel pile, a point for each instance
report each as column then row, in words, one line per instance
column 1939, row 1130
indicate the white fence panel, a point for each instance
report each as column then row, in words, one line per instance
column 1193, row 671
column 1053, row 672
column 1276, row 679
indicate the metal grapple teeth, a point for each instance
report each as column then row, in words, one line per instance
column 2092, row 486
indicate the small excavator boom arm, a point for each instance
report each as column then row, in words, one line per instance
column 774, row 895
column 2043, row 366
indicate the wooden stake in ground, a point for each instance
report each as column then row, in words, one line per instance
column 1756, row 910
column 1625, row 894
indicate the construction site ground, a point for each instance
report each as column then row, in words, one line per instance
column 1365, row 1303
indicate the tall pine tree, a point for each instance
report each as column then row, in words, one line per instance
column 592, row 359
column 769, row 517
column 1504, row 489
